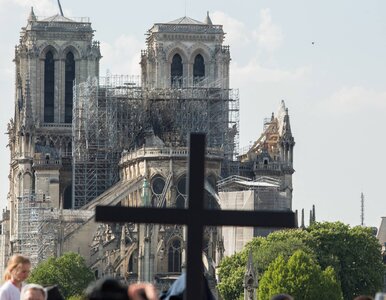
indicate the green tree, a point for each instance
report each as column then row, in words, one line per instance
column 283, row 242
column 68, row 271
column 76, row 297
column 300, row 276
column 265, row 250
column 231, row 273
column 354, row 253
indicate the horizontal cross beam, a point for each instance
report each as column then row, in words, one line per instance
column 207, row 217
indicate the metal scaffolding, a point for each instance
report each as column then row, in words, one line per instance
column 111, row 115
column 40, row 228
column 116, row 114
column 95, row 151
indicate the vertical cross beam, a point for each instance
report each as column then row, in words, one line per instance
column 194, row 270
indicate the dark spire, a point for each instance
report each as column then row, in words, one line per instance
column 32, row 16
column 250, row 279
column 313, row 213
column 286, row 124
column 207, row 20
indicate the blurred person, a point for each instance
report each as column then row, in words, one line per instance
column 33, row 292
column 53, row 293
column 109, row 288
column 16, row 273
column 177, row 290
column 380, row 296
column 142, row 291
column 363, row 297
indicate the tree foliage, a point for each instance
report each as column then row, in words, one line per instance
column 354, row 253
column 69, row 272
column 350, row 255
column 231, row 276
column 279, row 243
column 300, row 276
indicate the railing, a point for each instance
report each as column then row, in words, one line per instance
column 74, row 19
column 47, row 162
column 188, row 28
column 272, row 166
column 64, row 125
column 167, row 152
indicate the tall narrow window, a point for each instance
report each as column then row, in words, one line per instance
column 198, row 68
column 49, row 87
column 130, row 267
column 67, row 197
column 174, row 256
column 69, row 84
column 176, row 71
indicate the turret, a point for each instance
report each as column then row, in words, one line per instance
column 207, row 20
column 32, row 16
column 287, row 141
column 250, row 282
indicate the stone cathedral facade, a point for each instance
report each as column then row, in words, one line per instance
column 78, row 140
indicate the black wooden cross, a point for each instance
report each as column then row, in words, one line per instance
column 195, row 217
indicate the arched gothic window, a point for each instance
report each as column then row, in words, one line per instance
column 181, row 192
column 174, row 256
column 49, row 87
column 69, row 84
column 176, row 71
column 198, row 68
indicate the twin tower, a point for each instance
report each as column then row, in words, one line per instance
column 56, row 53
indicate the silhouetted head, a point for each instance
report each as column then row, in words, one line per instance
column 53, row 293
column 33, row 291
column 107, row 288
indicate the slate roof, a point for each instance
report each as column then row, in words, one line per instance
column 57, row 18
column 186, row 20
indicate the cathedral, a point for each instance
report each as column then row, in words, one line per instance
column 78, row 140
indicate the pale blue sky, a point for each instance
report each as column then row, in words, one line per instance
column 326, row 59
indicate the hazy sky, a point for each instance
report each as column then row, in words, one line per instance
column 326, row 59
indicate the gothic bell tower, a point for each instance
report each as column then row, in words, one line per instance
column 52, row 56
column 185, row 53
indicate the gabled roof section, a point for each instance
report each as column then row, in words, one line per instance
column 186, row 20
column 187, row 25
column 246, row 183
column 57, row 18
